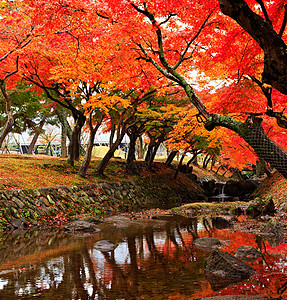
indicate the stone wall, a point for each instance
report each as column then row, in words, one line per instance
column 38, row 205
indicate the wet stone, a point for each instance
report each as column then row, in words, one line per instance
column 82, row 226
column 207, row 244
column 220, row 222
column 247, row 253
column 105, row 246
column 227, row 264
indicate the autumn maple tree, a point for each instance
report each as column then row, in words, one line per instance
column 232, row 71
column 16, row 33
column 173, row 36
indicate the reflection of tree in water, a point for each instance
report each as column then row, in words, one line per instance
column 153, row 264
column 157, row 264
column 147, row 264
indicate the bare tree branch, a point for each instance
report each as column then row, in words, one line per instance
column 283, row 26
column 260, row 2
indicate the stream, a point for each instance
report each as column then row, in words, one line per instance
column 154, row 259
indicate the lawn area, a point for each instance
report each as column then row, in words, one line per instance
column 35, row 171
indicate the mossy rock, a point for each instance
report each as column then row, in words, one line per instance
column 261, row 207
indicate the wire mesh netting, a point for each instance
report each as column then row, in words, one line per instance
column 267, row 150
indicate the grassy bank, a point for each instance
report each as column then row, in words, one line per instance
column 36, row 171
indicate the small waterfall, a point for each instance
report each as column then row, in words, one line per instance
column 219, row 195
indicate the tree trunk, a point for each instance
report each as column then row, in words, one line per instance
column 178, row 167
column 33, row 143
column 193, row 158
column 10, row 120
column 140, row 148
column 88, row 155
column 213, row 161
column 216, row 172
column 64, row 135
column 275, row 50
column 74, row 147
column 153, row 154
column 62, row 115
column 130, row 165
column 112, row 135
column 87, row 159
column 104, row 162
column 149, row 152
column 170, row 158
column 36, row 136
column 206, row 161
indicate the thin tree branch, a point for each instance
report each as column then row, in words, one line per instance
column 260, row 2
column 182, row 56
column 15, row 71
column 283, row 26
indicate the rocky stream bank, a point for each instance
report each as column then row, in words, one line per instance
column 57, row 205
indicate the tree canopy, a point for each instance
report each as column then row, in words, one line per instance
column 227, row 57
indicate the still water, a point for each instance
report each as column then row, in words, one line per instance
column 154, row 259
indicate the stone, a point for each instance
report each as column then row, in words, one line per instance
column 247, row 253
column 260, row 206
column 273, row 227
column 207, row 244
column 223, row 269
column 220, row 222
column 18, row 202
column 240, row 188
column 228, row 264
column 34, row 193
column 18, row 224
column 105, row 246
column 82, row 226
column 14, row 212
column 3, row 196
column 94, row 220
column 237, row 297
column 50, row 200
column 231, row 188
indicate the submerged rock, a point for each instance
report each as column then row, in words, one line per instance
column 220, row 222
column 105, row 246
column 247, row 253
column 82, row 226
column 273, row 227
column 207, row 244
column 273, row 232
column 223, row 261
